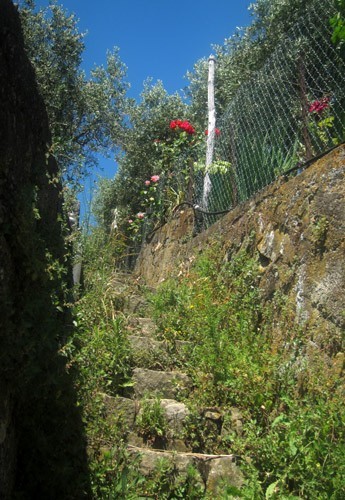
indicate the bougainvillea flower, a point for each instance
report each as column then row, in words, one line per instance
column 140, row 215
column 216, row 131
column 155, row 178
column 147, row 183
column 319, row 106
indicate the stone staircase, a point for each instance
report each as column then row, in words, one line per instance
column 160, row 385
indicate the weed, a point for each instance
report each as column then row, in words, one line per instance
column 167, row 482
column 256, row 357
column 151, row 422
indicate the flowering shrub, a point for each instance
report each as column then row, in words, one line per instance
column 182, row 125
column 319, row 106
column 175, row 156
column 135, row 226
column 322, row 122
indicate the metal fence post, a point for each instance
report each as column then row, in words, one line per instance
column 211, row 127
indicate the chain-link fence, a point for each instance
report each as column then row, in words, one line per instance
column 291, row 111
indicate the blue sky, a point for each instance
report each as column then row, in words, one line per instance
column 161, row 39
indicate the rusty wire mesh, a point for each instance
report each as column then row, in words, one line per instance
column 291, row 111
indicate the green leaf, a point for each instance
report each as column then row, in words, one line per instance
column 278, row 419
column 271, row 490
column 293, row 447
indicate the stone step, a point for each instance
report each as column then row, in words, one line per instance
column 129, row 411
column 150, row 353
column 144, row 327
column 135, row 304
column 214, row 472
column 163, row 384
column 216, row 421
column 175, row 412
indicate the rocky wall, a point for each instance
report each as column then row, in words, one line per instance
column 42, row 452
column 296, row 229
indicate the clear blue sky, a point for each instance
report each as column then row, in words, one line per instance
column 161, row 39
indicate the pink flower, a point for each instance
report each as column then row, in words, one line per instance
column 319, row 106
column 155, row 178
column 140, row 215
column 130, row 221
column 147, row 183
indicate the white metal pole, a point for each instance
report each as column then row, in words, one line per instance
column 211, row 128
column 211, row 111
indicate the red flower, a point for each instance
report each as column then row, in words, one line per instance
column 319, row 106
column 155, row 178
column 216, row 131
column 182, row 125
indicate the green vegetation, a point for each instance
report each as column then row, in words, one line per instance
column 338, row 25
column 291, row 444
column 244, row 354
column 100, row 359
column 86, row 116
column 256, row 358
column 152, row 422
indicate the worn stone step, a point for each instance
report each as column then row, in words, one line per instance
column 150, row 353
column 216, row 421
column 121, row 408
column 129, row 411
column 175, row 412
column 163, row 384
column 135, row 304
column 214, row 471
column 144, row 327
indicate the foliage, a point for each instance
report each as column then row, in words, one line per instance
column 149, row 120
column 99, row 357
column 173, row 185
column 216, row 167
column 244, row 52
column 151, row 422
column 338, row 25
column 167, row 482
column 321, row 123
column 85, row 114
column 218, row 308
column 300, row 451
column 256, row 357
column 102, row 358
column 150, row 148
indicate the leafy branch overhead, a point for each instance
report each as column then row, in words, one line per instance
column 86, row 115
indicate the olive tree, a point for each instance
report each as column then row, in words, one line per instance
column 86, row 114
